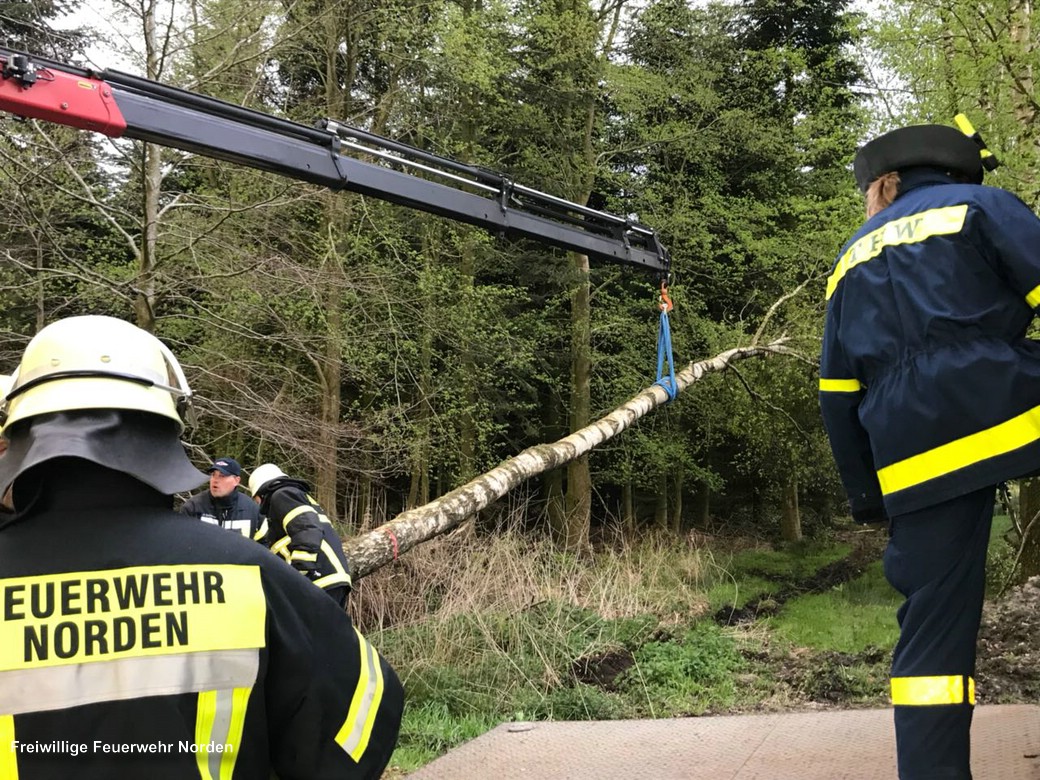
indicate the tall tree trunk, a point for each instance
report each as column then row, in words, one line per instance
column 468, row 423
column 661, row 503
column 1028, row 507
column 579, row 477
column 151, row 187
column 790, row 517
column 628, row 511
column 677, row 503
column 701, row 506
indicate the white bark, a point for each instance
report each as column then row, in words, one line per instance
column 382, row 545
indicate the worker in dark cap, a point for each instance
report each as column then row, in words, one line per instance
column 930, row 393
column 224, row 505
column 130, row 631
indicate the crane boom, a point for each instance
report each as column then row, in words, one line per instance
column 118, row 104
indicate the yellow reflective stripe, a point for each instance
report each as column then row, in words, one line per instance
column 331, row 555
column 840, row 386
column 1033, row 299
column 290, row 516
column 8, row 758
column 929, row 691
column 261, row 532
column 219, row 722
column 281, row 547
column 331, row 580
column 321, row 517
column 907, row 230
column 303, row 555
column 356, row 731
column 204, row 716
column 960, row 453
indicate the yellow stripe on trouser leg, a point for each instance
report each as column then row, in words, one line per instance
column 8, row 758
column 356, row 731
column 220, row 720
column 207, row 710
column 929, row 691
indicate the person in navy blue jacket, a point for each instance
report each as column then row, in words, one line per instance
column 930, row 394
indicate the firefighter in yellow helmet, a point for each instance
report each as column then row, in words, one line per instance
column 132, row 644
column 300, row 531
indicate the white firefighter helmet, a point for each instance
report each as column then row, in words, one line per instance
column 6, row 380
column 97, row 362
column 262, row 475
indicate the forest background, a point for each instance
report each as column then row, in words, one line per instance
column 389, row 356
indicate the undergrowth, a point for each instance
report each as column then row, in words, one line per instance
column 489, row 630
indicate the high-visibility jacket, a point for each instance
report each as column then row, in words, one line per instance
column 134, row 644
column 929, row 388
column 299, row 530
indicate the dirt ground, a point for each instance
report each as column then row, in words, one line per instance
column 1008, row 670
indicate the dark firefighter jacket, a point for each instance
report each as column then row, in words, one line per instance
column 237, row 512
column 301, row 532
column 135, row 645
column 928, row 386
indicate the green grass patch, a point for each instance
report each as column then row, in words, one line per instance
column 684, row 675
column 738, row 592
column 795, row 561
column 848, row 618
column 430, row 730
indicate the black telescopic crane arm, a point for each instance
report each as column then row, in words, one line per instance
column 119, row 104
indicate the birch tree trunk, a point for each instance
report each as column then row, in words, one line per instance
column 384, row 544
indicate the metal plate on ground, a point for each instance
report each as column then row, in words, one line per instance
column 828, row 745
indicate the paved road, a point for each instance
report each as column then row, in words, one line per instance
column 828, row 745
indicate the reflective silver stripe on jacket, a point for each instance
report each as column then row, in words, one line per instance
column 58, row 687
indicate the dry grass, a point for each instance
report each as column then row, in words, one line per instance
column 512, row 572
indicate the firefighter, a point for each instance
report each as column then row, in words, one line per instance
column 300, row 531
column 131, row 646
column 930, row 393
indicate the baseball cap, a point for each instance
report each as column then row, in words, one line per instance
column 228, row 466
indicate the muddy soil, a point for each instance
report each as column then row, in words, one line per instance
column 1008, row 668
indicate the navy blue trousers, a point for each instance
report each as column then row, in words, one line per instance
column 936, row 558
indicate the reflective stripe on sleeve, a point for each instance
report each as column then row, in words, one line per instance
column 292, row 515
column 321, row 517
column 219, row 721
column 961, row 453
column 840, row 386
column 60, row 687
column 930, row 691
column 339, row 575
column 261, row 532
column 1033, row 299
column 303, row 555
column 281, row 547
column 8, row 758
column 356, row 731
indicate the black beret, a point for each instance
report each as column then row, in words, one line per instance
column 934, row 146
